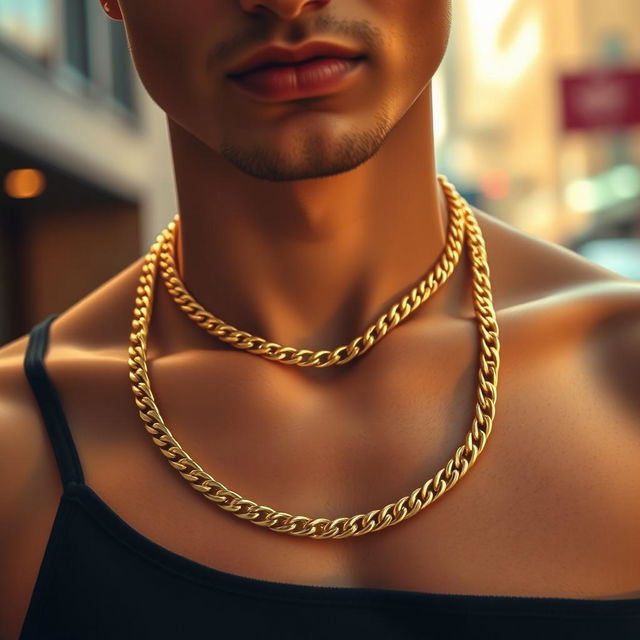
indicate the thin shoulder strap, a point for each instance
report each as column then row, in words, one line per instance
column 49, row 402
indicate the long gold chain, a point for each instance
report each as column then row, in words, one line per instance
column 398, row 312
column 324, row 528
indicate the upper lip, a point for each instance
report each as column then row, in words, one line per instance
column 274, row 54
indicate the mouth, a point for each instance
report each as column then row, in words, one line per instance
column 280, row 81
column 277, row 65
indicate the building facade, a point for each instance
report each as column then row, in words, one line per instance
column 506, row 138
column 74, row 113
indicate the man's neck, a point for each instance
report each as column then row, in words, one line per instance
column 310, row 263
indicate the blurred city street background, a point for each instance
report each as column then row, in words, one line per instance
column 537, row 121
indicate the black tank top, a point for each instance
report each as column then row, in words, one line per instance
column 102, row 579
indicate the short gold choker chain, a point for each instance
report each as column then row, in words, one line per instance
column 250, row 343
column 324, row 528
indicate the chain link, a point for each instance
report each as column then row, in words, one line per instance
column 398, row 312
column 324, row 528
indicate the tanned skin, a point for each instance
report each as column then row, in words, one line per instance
column 302, row 222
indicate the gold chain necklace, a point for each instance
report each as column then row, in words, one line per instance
column 324, row 528
column 398, row 312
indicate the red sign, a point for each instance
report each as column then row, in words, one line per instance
column 606, row 98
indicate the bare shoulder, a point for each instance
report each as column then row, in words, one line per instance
column 567, row 306
column 31, row 487
column 21, row 434
column 570, row 333
column 29, row 474
column 85, row 329
column 569, row 382
column 526, row 269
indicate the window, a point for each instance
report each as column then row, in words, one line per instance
column 121, row 73
column 76, row 46
column 27, row 25
column 76, row 36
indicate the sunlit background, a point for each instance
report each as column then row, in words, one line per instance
column 537, row 121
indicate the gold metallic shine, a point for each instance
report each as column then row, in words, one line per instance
column 378, row 519
column 256, row 345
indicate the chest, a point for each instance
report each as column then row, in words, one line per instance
column 520, row 522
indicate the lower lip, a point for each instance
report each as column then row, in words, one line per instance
column 309, row 79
